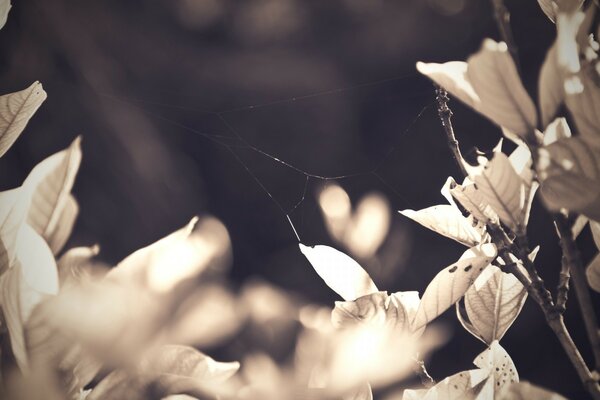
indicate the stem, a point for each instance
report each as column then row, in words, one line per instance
column 445, row 114
column 573, row 259
column 502, row 17
column 562, row 290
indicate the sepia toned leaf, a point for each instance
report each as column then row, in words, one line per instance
column 549, row 8
column 17, row 108
column 74, row 267
column 525, row 391
column 489, row 83
column 462, row 385
column 592, row 273
column 583, row 105
column 499, row 365
column 493, row 302
column 558, row 129
column 450, row 284
column 595, row 228
column 448, row 221
column 473, row 201
column 369, row 309
column 5, row 7
column 339, row 271
column 551, row 93
column 364, row 392
column 49, row 185
column 10, row 282
column 13, row 212
column 504, row 190
column 569, row 171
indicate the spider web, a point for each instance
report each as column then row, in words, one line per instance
column 236, row 141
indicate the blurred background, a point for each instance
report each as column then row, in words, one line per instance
column 244, row 109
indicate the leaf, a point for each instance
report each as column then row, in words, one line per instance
column 525, row 391
column 462, row 385
column 569, row 170
column 473, row 201
column 551, row 93
column 74, row 266
column 49, row 185
column 493, row 303
column 17, row 108
column 579, row 225
column 584, row 106
column 172, row 370
column 4, row 9
column 489, row 83
column 500, row 366
column 13, row 211
column 188, row 252
column 592, row 273
column 504, row 190
column 547, row 7
column 595, row 228
column 558, row 129
column 369, row 309
column 10, row 283
column 450, row 284
column 364, row 392
column 339, row 271
column 448, row 221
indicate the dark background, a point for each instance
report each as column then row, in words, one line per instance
column 144, row 83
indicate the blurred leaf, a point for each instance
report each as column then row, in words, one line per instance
column 579, row 225
column 49, row 185
column 551, row 86
column 369, row 225
column 494, row 302
column 10, row 282
column 547, row 7
column 74, row 267
column 340, row 272
column 4, row 9
column 593, row 273
column 171, row 370
column 202, row 244
column 525, row 391
column 450, row 284
column 16, row 108
column 459, row 386
column 504, row 190
column 13, row 211
column 364, row 392
column 584, row 106
column 489, row 83
column 569, row 171
column 558, row 129
column 595, row 228
column 448, row 221
column 369, row 309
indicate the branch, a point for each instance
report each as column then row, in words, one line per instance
column 445, row 114
column 562, row 290
column 573, row 259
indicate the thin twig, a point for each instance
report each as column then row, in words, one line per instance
column 573, row 259
column 502, row 17
column 562, row 290
column 445, row 114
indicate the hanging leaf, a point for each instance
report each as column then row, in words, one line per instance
column 49, row 185
column 501, row 368
column 4, row 9
column 450, row 284
column 448, row 221
column 17, row 108
column 13, row 211
column 569, row 171
column 489, row 83
column 526, row 391
column 493, row 303
column 339, row 271
column 504, row 190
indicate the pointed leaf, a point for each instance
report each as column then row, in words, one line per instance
column 339, row 271
column 494, row 302
column 593, row 273
column 448, row 221
column 17, row 108
column 49, row 185
column 4, row 9
column 569, row 171
column 60, row 235
column 551, row 86
column 548, row 7
column 504, row 190
column 558, row 129
column 450, row 284
column 490, row 84
column 474, row 202
column 595, row 228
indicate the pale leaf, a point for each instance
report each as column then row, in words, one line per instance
column 504, row 190
column 74, row 267
column 62, row 231
column 49, row 185
column 558, row 129
column 462, row 385
column 593, row 273
column 474, row 202
column 16, row 109
column 584, row 107
column 369, row 309
column 362, row 393
column 450, row 284
column 13, row 211
column 461, row 315
column 10, row 283
column 548, row 7
column 595, row 228
column 579, row 225
column 500, row 366
column 339, row 271
column 4, row 9
column 489, row 83
column 569, row 170
column 551, row 93
column 494, row 304
column 448, row 221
